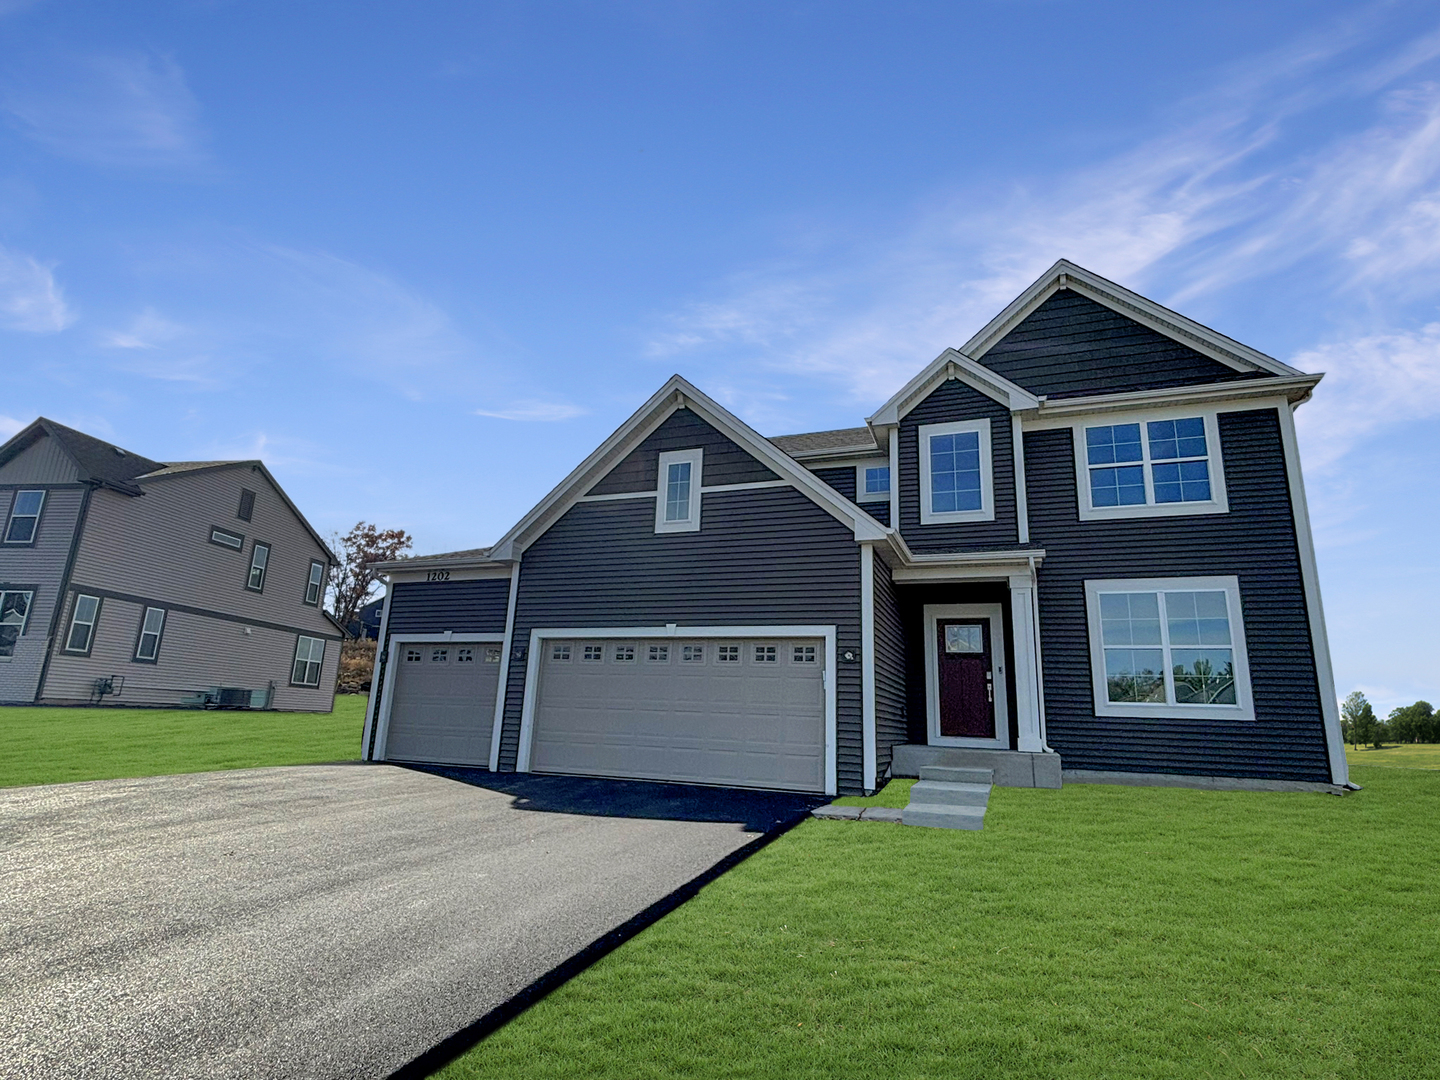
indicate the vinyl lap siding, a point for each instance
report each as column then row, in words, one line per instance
column 1255, row 541
column 890, row 727
column 41, row 568
column 724, row 461
column 761, row 557
column 841, row 479
column 432, row 607
column 1072, row 345
column 42, row 462
column 951, row 401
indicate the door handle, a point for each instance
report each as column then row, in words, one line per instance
column 989, row 687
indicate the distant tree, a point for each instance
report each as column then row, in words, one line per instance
column 1357, row 720
column 1412, row 723
column 354, row 582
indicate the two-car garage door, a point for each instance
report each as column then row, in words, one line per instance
column 738, row 712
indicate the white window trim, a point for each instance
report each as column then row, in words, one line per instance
column 861, row 495
column 392, row 660
column 539, row 636
column 1218, row 502
column 691, row 523
column 1244, row 707
column 995, row 614
column 987, row 473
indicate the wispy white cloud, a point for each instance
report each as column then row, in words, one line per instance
column 156, row 347
column 9, row 426
column 128, row 110
column 30, row 298
column 148, row 330
column 543, row 411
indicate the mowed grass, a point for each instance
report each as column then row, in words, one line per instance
column 1401, row 755
column 53, row 746
column 1096, row 931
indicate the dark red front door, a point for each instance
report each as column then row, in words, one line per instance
column 967, row 694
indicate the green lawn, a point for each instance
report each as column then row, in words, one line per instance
column 52, row 746
column 1096, row 931
column 1402, row 755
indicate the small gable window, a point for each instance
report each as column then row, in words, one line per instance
column 956, row 476
column 872, row 482
column 677, row 493
column 1145, row 467
column 24, row 517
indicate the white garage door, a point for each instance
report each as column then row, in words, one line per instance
column 742, row 713
column 443, row 704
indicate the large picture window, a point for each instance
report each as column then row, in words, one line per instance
column 14, row 613
column 1141, row 467
column 309, row 658
column 677, row 494
column 956, row 475
column 1168, row 647
column 24, row 520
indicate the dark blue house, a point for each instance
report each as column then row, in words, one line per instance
column 1078, row 546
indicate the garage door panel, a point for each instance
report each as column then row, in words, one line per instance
column 747, row 722
column 442, row 706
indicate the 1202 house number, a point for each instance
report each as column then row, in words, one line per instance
column 437, row 575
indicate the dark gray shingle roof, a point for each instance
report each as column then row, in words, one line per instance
column 820, row 441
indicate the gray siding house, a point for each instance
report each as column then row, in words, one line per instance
column 125, row 581
column 1076, row 546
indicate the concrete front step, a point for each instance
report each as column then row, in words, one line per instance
column 951, row 774
column 937, row 793
column 940, row 816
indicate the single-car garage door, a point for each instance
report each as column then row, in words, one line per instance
column 741, row 713
column 443, row 704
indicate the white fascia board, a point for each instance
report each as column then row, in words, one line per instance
column 841, row 455
column 455, row 572
column 1248, row 393
column 953, row 364
column 1066, row 275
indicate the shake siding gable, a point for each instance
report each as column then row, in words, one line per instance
column 954, row 400
column 40, row 567
column 769, row 556
column 1072, row 345
column 1255, row 541
column 724, row 462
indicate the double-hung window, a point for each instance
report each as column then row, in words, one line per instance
column 956, row 474
column 14, row 613
column 1169, row 647
column 872, row 482
column 315, row 584
column 309, row 658
column 82, row 624
column 259, row 562
column 677, row 493
column 1150, row 466
column 152, row 628
column 24, row 517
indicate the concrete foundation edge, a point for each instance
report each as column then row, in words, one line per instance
column 1013, row 768
column 1203, row 783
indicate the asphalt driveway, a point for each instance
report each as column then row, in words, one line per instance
column 320, row 921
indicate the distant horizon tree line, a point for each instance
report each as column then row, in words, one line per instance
column 1417, row 723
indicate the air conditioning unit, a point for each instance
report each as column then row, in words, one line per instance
column 233, row 697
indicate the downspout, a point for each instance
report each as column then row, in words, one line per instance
column 64, row 589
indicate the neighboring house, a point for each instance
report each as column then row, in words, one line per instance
column 1080, row 539
column 367, row 623
column 130, row 582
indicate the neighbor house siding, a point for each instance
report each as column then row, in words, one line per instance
column 250, row 656
column 39, row 567
column 1072, row 345
column 954, row 400
column 724, row 462
column 1255, row 542
column 766, row 557
column 42, row 462
column 890, row 726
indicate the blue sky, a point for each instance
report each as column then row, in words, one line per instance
column 422, row 258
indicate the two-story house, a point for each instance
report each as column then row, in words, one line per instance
column 1077, row 543
column 126, row 581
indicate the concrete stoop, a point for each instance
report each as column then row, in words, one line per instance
column 949, row 797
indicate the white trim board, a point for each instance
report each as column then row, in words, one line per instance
column 387, row 697
column 372, row 707
column 670, row 630
column 995, row 613
column 509, row 643
column 867, row 667
column 953, row 364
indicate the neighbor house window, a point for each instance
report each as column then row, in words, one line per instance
column 152, row 626
column 227, row 539
column 247, row 505
column 259, row 560
column 24, row 517
column 82, row 624
column 872, row 483
column 677, row 494
column 1145, row 467
column 315, row 584
column 956, row 476
column 309, row 658
column 1169, row 648
column 14, row 612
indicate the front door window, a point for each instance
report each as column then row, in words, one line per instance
column 967, row 687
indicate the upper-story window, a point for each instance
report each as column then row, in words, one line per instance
column 259, row 563
column 316, row 583
column 677, row 492
column 246, row 509
column 956, row 475
column 1142, row 466
column 227, row 539
column 872, row 482
column 14, row 612
column 24, row 517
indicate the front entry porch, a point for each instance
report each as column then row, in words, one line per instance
column 1012, row 768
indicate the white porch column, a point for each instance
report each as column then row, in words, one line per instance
column 1027, row 670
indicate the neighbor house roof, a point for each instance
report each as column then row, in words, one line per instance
column 195, row 466
column 96, row 460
